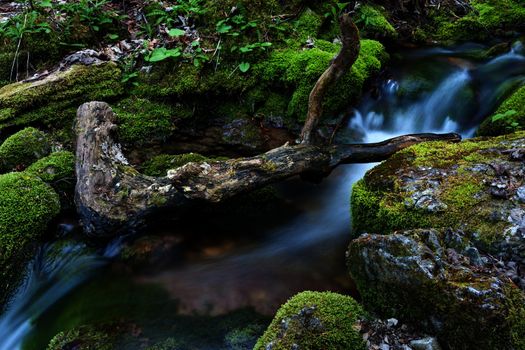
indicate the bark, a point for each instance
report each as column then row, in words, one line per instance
column 339, row 66
column 113, row 198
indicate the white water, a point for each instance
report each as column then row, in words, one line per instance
column 52, row 278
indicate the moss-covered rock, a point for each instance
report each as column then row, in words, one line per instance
column 23, row 148
column 473, row 185
column 43, row 101
column 437, row 280
column 373, row 24
column 57, row 170
column 508, row 118
column 315, row 321
column 27, row 205
column 485, row 19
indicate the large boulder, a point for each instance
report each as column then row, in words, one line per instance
column 437, row 280
column 447, row 242
column 477, row 185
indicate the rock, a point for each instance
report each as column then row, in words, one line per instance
column 425, row 344
column 27, row 205
column 520, row 194
column 315, row 321
column 404, row 276
column 23, row 148
column 468, row 186
column 243, row 132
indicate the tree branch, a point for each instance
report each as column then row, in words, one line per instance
column 113, row 198
column 339, row 66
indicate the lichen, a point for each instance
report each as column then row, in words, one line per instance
column 23, row 148
column 315, row 321
column 159, row 165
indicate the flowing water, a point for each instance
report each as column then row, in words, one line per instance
column 432, row 90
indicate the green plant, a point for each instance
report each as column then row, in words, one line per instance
column 335, row 10
column 504, row 116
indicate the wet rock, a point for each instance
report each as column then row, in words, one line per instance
column 520, row 194
column 442, row 290
column 243, row 132
column 425, row 344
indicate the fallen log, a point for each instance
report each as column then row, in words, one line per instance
column 113, row 198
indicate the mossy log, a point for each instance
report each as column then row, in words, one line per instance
column 113, row 198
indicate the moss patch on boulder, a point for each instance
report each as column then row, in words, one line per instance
column 82, row 338
column 373, row 23
column 508, row 118
column 23, row 148
column 27, row 205
column 315, row 321
column 438, row 184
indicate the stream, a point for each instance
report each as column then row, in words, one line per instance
column 238, row 279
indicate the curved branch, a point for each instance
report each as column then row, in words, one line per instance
column 339, row 66
column 113, row 198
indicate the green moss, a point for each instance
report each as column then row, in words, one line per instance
column 334, row 317
column 76, row 85
column 373, row 23
column 383, row 203
column 509, row 117
column 142, row 121
column 23, row 148
column 82, row 338
column 515, row 303
column 27, row 205
column 307, row 25
column 487, row 17
column 159, row 165
column 300, row 69
column 55, row 169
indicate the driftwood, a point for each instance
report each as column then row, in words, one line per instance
column 339, row 66
column 113, row 198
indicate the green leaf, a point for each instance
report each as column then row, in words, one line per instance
column 46, row 3
column 244, row 67
column 113, row 36
column 505, row 115
column 162, row 53
column 176, row 32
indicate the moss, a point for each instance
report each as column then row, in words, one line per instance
column 82, row 338
column 300, row 69
column 307, row 25
column 383, row 202
column 487, row 17
column 373, row 23
column 76, row 85
column 509, row 117
column 315, row 320
column 57, row 169
column 159, row 165
column 27, row 205
column 515, row 303
column 23, row 148
column 142, row 121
